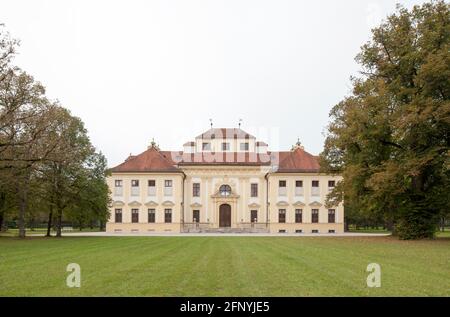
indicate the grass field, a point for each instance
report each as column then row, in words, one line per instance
column 223, row 266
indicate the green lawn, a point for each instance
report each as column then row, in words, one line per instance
column 223, row 266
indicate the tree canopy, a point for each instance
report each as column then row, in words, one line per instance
column 47, row 162
column 390, row 139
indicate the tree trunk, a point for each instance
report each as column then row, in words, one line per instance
column 59, row 223
column 1, row 220
column 49, row 222
column 23, row 191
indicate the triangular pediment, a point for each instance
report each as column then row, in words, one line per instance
column 151, row 203
column 168, row 203
column 282, row 203
column 118, row 203
column 315, row 204
column 134, row 203
column 299, row 203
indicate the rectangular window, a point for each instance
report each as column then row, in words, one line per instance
column 206, row 146
column 225, row 146
column 298, row 188
column 331, row 185
column 151, row 190
column 315, row 215
column 151, row 216
column 282, row 216
column 254, row 215
column 244, row 146
column 167, row 215
column 196, row 216
column 118, row 215
column 298, row 215
column 118, row 187
column 282, row 191
column 134, row 215
column 168, row 187
column 134, row 187
column 254, row 190
column 331, row 216
column 196, row 189
column 315, row 191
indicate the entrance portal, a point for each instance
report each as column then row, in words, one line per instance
column 225, row 216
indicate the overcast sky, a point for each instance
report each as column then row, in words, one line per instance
column 134, row 70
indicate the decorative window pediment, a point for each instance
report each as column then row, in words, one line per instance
column 315, row 204
column 282, row 203
column 134, row 203
column 254, row 205
column 151, row 203
column 118, row 203
column 299, row 203
column 196, row 205
column 168, row 203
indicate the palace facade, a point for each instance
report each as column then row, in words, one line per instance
column 223, row 181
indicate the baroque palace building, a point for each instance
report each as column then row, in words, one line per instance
column 224, row 181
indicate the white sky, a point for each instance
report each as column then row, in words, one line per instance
column 133, row 70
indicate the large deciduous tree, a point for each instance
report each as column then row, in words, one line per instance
column 390, row 139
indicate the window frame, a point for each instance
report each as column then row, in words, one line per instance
column 254, row 190
column 225, row 146
column 332, row 215
column 168, row 215
column 195, row 189
column 135, row 215
column 194, row 218
column 206, row 146
column 281, row 215
column 225, row 190
column 118, row 212
column 252, row 219
column 246, row 146
column 314, row 215
column 118, row 183
column 297, row 213
column 151, row 212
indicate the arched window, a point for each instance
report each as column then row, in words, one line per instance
column 225, row 190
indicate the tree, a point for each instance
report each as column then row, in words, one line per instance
column 391, row 138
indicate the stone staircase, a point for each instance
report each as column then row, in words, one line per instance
column 259, row 229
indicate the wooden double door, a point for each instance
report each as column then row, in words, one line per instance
column 225, row 216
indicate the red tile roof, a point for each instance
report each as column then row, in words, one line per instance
column 153, row 160
column 297, row 161
column 225, row 133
